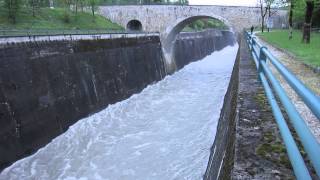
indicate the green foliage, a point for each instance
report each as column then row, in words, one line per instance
column 205, row 23
column 308, row 53
column 12, row 7
column 299, row 13
column 197, row 25
column 35, row 5
column 55, row 19
column 93, row 5
column 66, row 17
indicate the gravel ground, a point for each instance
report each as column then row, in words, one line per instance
column 307, row 76
column 259, row 150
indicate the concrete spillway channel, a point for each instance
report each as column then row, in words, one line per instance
column 166, row 131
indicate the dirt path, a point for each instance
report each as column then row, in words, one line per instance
column 307, row 76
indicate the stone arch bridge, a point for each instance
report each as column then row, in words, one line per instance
column 157, row 18
column 169, row 20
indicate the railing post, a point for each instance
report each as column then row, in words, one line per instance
column 311, row 146
column 253, row 42
column 262, row 57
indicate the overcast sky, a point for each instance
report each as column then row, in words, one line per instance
column 224, row 2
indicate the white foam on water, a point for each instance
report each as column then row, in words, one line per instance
column 164, row 132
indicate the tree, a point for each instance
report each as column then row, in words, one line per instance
column 290, row 18
column 93, row 6
column 265, row 7
column 82, row 4
column 307, row 23
column 35, row 5
column 76, row 4
column 316, row 14
column 12, row 7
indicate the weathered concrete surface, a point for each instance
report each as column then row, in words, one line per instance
column 19, row 39
column 46, row 86
column 194, row 46
column 157, row 18
column 259, row 150
column 221, row 156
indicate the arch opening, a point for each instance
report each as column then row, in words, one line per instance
column 134, row 25
column 169, row 36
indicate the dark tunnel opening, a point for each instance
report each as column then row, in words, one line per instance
column 134, row 25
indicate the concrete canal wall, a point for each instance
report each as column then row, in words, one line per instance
column 46, row 86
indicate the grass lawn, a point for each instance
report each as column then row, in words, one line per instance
column 47, row 18
column 309, row 53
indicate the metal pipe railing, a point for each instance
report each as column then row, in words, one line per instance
column 300, row 169
column 312, row 147
column 54, row 32
column 311, row 100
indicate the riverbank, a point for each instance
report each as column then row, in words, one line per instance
column 306, row 53
column 55, row 19
column 310, row 78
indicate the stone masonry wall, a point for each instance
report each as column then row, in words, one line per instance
column 156, row 18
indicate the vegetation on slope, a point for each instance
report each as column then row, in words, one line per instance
column 57, row 18
column 308, row 53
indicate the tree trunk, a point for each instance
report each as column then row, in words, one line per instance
column 307, row 24
column 76, row 4
column 92, row 10
column 262, row 18
column 269, row 15
column 290, row 19
column 81, row 5
column 13, row 8
column 263, row 15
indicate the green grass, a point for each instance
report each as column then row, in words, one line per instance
column 47, row 18
column 308, row 53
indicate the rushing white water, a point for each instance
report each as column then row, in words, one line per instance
column 164, row 132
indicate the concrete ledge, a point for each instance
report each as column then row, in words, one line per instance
column 8, row 40
column 259, row 152
column 221, row 159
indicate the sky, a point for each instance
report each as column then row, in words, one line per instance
column 224, row 2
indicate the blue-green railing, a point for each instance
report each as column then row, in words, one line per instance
column 270, row 83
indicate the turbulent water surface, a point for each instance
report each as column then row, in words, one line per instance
column 164, row 132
